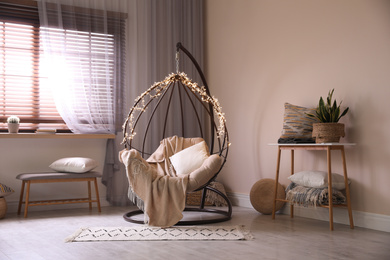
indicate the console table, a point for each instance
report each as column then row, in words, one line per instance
column 328, row 147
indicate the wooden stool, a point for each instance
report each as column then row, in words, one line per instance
column 52, row 177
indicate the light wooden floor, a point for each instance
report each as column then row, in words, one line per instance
column 42, row 234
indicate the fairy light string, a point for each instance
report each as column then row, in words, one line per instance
column 156, row 90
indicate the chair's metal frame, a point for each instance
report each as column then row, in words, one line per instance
column 218, row 135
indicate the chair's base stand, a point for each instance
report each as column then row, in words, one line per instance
column 223, row 215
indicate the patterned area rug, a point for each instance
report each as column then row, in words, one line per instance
column 145, row 233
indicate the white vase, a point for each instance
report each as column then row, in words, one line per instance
column 13, row 128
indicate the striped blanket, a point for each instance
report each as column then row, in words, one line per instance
column 311, row 197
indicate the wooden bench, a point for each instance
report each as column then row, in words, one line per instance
column 53, row 177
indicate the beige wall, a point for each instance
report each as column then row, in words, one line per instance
column 262, row 53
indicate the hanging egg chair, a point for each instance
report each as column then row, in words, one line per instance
column 193, row 146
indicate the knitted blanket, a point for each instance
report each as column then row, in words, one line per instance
column 154, row 186
column 307, row 197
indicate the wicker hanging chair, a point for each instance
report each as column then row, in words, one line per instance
column 179, row 107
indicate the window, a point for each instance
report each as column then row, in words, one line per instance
column 22, row 91
column 90, row 59
column 24, row 87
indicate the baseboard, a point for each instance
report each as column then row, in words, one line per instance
column 340, row 215
column 361, row 219
column 240, row 200
column 12, row 206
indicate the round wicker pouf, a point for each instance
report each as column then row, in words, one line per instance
column 262, row 196
column 3, row 207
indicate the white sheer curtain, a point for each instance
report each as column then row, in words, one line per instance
column 83, row 46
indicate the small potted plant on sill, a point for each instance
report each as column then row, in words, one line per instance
column 13, row 124
column 329, row 130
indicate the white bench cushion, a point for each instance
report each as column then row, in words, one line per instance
column 56, row 175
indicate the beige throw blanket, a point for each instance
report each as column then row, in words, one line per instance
column 155, row 182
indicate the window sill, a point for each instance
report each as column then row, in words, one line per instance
column 58, row 136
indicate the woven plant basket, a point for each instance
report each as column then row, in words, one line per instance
column 3, row 207
column 328, row 132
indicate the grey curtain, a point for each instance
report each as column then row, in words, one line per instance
column 154, row 27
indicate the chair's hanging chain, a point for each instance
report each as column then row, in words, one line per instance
column 177, row 61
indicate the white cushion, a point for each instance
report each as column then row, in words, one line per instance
column 189, row 159
column 74, row 164
column 317, row 179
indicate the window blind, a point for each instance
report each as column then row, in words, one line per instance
column 23, row 91
column 91, row 56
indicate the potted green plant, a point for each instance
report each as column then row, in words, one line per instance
column 13, row 124
column 329, row 130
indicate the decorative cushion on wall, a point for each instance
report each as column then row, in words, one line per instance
column 317, row 179
column 189, row 159
column 297, row 124
column 5, row 190
column 74, row 164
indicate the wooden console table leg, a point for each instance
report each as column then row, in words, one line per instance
column 292, row 172
column 347, row 189
column 330, row 192
column 276, row 182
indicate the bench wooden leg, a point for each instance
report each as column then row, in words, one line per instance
column 89, row 195
column 27, row 199
column 21, row 198
column 97, row 195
